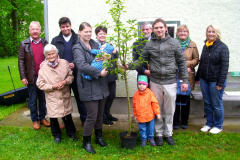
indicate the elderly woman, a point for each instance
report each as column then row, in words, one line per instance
column 212, row 73
column 190, row 51
column 54, row 78
column 101, row 35
column 93, row 92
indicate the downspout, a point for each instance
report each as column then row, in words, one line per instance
column 46, row 19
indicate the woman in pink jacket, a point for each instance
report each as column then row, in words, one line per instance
column 54, row 78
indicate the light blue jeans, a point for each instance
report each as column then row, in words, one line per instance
column 213, row 105
column 146, row 130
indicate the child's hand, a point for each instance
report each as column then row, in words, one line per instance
column 158, row 116
column 136, row 118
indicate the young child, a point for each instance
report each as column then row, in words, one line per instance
column 103, row 52
column 145, row 107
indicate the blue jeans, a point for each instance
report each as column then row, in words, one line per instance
column 146, row 130
column 213, row 105
column 35, row 92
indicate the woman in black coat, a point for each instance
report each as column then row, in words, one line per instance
column 212, row 73
column 93, row 92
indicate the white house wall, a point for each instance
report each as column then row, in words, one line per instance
column 196, row 14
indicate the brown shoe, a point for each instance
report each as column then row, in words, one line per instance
column 36, row 125
column 62, row 126
column 45, row 123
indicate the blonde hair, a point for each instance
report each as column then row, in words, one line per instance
column 216, row 29
column 181, row 27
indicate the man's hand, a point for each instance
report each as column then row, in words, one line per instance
column 25, row 82
column 103, row 72
column 158, row 116
column 197, row 82
column 41, row 64
column 184, row 87
column 147, row 73
column 189, row 70
column 124, row 67
column 71, row 65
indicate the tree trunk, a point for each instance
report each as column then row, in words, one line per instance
column 14, row 20
column 129, row 107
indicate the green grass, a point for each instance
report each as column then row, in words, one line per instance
column 5, row 79
column 6, row 110
column 26, row 143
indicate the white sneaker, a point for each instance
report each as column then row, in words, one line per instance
column 205, row 128
column 215, row 130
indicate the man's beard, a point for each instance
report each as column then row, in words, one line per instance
column 147, row 36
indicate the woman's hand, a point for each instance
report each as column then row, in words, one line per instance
column 59, row 85
column 219, row 88
column 136, row 119
column 189, row 70
column 114, row 51
column 103, row 72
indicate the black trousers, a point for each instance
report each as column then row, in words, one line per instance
column 94, row 116
column 69, row 125
column 109, row 99
column 182, row 110
column 81, row 108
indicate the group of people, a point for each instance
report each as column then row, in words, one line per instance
column 72, row 61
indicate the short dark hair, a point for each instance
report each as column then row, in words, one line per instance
column 159, row 20
column 84, row 25
column 99, row 28
column 64, row 20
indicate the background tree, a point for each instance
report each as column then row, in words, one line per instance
column 15, row 17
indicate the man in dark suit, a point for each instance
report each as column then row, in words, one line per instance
column 145, row 28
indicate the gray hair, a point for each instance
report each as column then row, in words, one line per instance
column 33, row 23
column 143, row 24
column 49, row 47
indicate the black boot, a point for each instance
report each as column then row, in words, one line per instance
column 99, row 140
column 87, row 144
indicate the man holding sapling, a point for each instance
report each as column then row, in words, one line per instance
column 164, row 56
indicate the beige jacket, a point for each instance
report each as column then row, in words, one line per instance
column 59, row 102
column 192, row 59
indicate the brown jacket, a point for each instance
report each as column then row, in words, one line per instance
column 192, row 59
column 59, row 102
column 26, row 62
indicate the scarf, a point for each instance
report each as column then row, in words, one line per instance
column 53, row 64
column 209, row 43
column 184, row 44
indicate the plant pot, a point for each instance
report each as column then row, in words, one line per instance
column 128, row 142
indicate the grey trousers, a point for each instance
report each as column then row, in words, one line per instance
column 94, row 116
column 166, row 96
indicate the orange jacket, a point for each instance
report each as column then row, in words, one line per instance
column 145, row 106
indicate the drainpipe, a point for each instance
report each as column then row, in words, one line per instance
column 46, row 19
